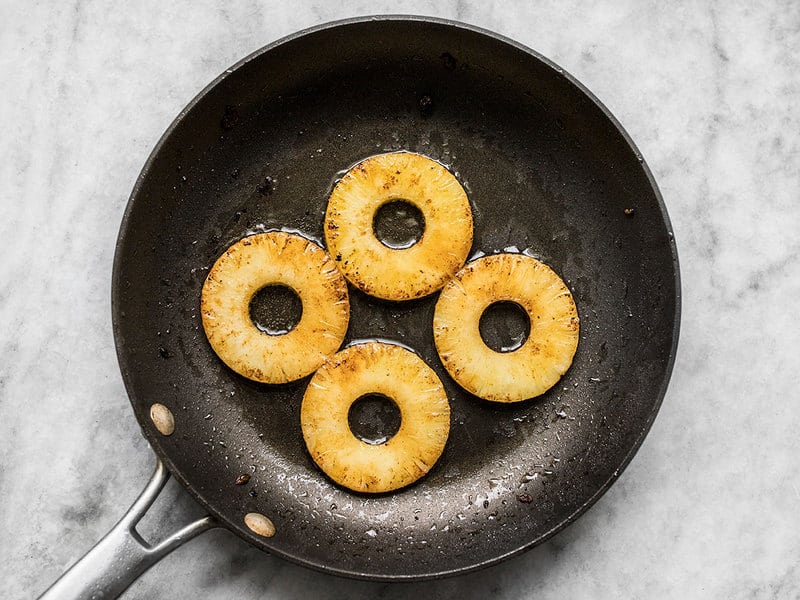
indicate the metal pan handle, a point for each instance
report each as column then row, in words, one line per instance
column 122, row 555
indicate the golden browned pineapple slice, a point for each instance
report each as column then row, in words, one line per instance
column 262, row 260
column 398, row 273
column 540, row 361
column 391, row 371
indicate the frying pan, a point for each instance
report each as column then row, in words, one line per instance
column 548, row 171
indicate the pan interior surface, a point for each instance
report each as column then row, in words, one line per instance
column 547, row 171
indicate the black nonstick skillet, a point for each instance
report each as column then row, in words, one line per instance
column 548, row 171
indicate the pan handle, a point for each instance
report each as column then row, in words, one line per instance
column 122, row 555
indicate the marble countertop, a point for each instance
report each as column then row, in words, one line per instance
column 709, row 91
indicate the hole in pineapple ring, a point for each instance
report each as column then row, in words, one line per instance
column 374, row 418
column 398, row 224
column 276, row 309
column 504, row 326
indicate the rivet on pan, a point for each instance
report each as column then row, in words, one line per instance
column 259, row 524
column 162, row 418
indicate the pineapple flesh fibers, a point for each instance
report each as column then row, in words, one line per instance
column 274, row 258
column 375, row 368
column 398, row 273
column 543, row 358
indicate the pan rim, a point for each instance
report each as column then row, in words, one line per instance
column 558, row 71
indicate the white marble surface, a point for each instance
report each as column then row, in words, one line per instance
column 710, row 92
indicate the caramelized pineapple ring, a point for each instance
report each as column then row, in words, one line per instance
column 543, row 358
column 398, row 273
column 375, row 368
column 259, row 261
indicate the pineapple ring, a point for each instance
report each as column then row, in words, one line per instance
column 398, row 273
column 390, row 370
column 543, row 358
column 266, row 259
